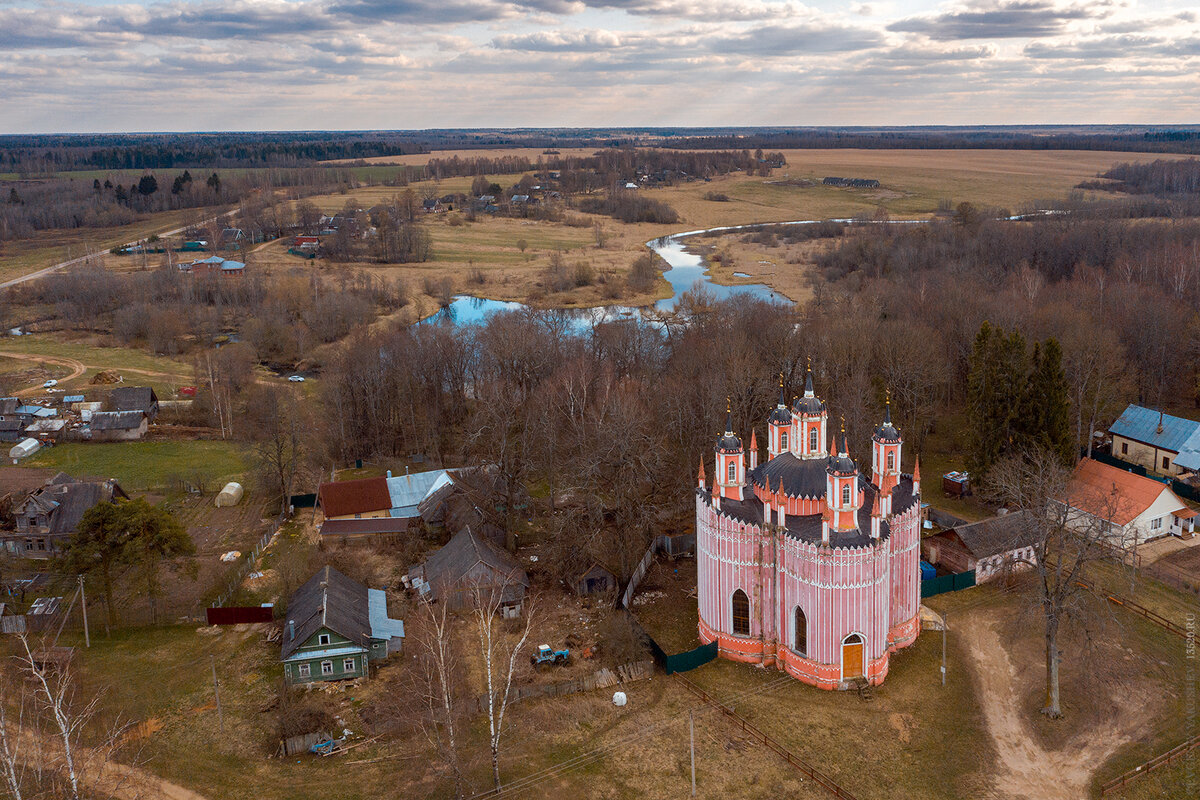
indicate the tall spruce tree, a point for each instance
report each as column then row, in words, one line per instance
column 995, row 389
column 1045, row 419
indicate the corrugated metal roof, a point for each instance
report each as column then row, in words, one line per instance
column 1178, row 435
column 73, row 398
column 360, row 496
column 382, row 626
column 407, row 491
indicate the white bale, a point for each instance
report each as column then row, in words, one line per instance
column 619, row 698
column 25, row 448
column 231, row 495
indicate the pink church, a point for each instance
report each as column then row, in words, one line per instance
column 804, row 563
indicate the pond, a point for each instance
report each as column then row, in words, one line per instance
column 685, row 269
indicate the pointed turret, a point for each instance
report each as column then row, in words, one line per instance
column 731, row 460
column 917, row 476
column 753, row 449
column 779, row 426
column 886, row 444
column 700, row 477
column 811, row 417
column 876, row 517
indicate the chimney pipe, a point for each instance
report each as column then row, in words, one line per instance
column 291, row 630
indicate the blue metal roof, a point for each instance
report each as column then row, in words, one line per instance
column 1178, row 435
column 73, row 398
column 407, row 491
column 382, row 626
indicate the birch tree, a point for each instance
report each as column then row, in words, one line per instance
column 439, row 681
column 499, row 654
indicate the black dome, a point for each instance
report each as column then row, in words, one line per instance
column 729, row 443
column 780, row 416
column 842, row 465
column 808, row 405
column 887, row 433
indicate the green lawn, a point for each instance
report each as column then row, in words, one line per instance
column 95, row 356
column 146, row 465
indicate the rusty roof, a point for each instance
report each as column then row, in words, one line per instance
column 359, row 496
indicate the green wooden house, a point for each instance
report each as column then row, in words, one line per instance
column 336, row 627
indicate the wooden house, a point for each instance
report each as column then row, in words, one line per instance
column 46, row 518
column 336, row 627
column 134, row 398
column 467, row 567
column 990, row 547
column 1159, row 442
column 117, row 426
column 596, row 579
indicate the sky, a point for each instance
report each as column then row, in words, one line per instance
column 175, row 65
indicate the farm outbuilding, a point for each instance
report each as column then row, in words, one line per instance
column 231, row 495
column 469, row 566
column 24, row 449
column 596, row 579
column 990, row 547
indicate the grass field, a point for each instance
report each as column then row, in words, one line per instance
column 146, row 465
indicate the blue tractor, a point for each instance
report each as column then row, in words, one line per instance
column 546, row 657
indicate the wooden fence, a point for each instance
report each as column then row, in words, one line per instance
column 1125, row 602
column 602, row 679
column 243, row 567
column 301, row 744
column 1160, row 760
column 639, row 572
column 818, row 777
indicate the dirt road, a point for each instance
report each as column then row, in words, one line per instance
column 77, row 368
column 1026, row 768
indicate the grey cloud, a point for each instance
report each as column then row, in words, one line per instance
column 782, row 40
column 1116, row 47
column 1005, row 19
column 713, row 10
column 427, row 12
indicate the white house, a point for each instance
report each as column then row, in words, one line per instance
column 1136, row 508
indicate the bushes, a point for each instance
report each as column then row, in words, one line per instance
column 629, row 206
column 716, row 197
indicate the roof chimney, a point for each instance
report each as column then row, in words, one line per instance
column 1159, row 429
column 291, row 630
column 389, row 473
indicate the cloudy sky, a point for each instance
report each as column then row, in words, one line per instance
column 93, row 65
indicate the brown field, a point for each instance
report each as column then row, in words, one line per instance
column 417, row 159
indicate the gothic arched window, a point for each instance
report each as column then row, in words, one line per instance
column 812, row 440
column 741, row 613
column 783, row 440
column 732, row 471
column 801, row 633
column 845, row 495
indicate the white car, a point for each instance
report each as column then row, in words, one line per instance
column 296, row 378
column 49, row 383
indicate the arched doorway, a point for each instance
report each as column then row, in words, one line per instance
column 852, row 657
column 741, row 613
column 801, row 634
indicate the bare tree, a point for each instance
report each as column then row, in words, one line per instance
column 1067, row 542
column 439, row 681
column 499, row 653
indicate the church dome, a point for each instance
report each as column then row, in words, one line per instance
column 886, row 432
column 780, row 416
column 729, row 443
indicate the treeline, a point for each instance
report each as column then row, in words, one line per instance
column 41, row 155
column 1160, row 177
column 278, row 321
column 629, row 206
column 605, row 165
column 29, row 207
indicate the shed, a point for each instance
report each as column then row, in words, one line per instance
column 596, row 579
column 118, row 425
column 135, row 398
column 231, row 495
column 469, row 564
column 988, row 547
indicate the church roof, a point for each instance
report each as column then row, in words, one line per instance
column 886, row 432
column 801, row 477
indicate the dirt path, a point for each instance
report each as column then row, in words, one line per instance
column 1026, row 768
column 77, row 368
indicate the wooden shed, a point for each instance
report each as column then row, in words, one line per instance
column 596, row 579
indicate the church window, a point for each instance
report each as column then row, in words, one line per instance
column 845, row 495
column 812, row 440
column 732, row 471
column 782, row 440
column 891, row 461
column 801, row 633
column 741, row 613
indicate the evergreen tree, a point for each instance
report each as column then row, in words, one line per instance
column 1045, row 420
column 995, row 389
column 13, row 197
column 148, row 185
column 120, row 194
column 96, row 185
column 214, row 183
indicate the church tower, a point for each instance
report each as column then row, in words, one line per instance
column 779, row 426
column 811, row 419
column 885, row 456
column 731, row 463
column 843, row 497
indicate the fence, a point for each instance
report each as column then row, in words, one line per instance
column 1156, row 618
column 243, row 567
column 602, row 679
column 1160, row 760
column 303, row 500
column 947, row 583
column 639, row 572
column 818, row 777
column 12, row 624
column 1173, row 575
column 238, row 615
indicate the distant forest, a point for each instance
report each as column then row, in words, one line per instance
column 39, row 154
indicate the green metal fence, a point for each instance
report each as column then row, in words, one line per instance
column 947, row 583
column 682, row 662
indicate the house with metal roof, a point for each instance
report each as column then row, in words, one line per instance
column 336, row 627
column 213, row 265
column 117, row 426
column 468, row 567
column 990, row 547
column 381, row 505
column 1134, row 508
column 1159, row 442
column 134, row 398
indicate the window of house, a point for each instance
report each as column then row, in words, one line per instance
column 1124, row 448
column 812, row 440
column 29, row 544
column 41, row 544
column 845, row 495
column 741, row 613
column 732, row 471
column 1166, row 462
column 782, row 441
column 323, row 638
column 348, row 665
column 801, row 633
column 305, row 670
column 1155, row 524
column 326, row 667
column 891, row 461
column 33, row 522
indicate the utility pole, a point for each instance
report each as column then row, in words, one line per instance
column 692, row 741
column 87, row 637
column 944, row 615
column 217, row 691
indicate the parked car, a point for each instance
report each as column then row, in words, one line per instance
column 296, row 378
column 49, row 383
